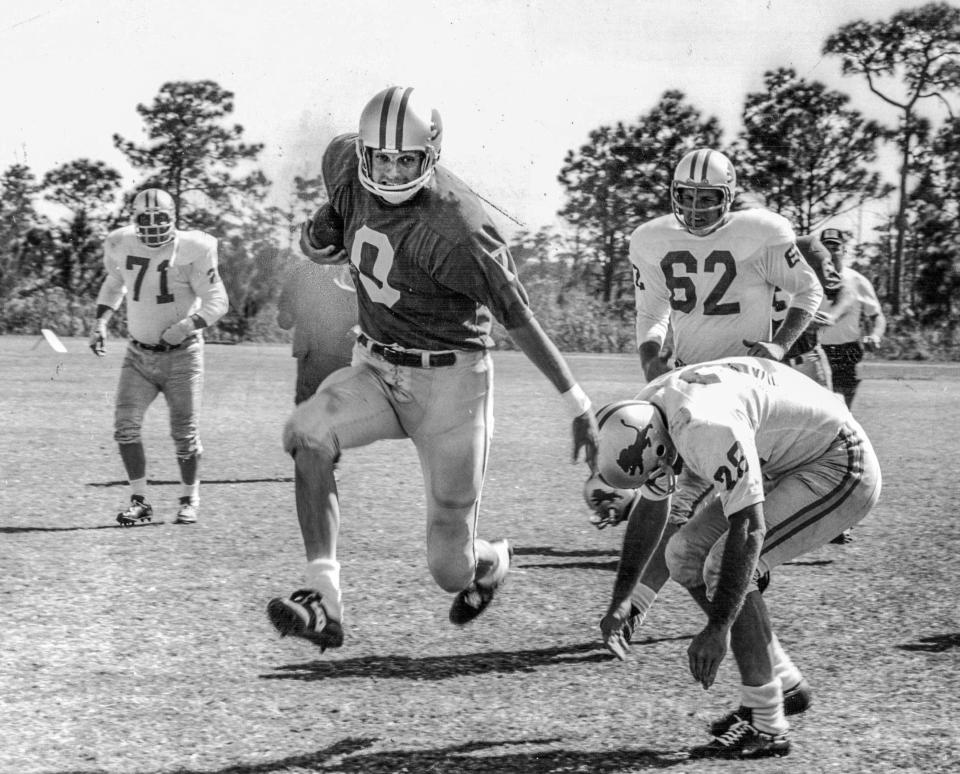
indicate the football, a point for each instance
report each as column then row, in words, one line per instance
column 325, row 228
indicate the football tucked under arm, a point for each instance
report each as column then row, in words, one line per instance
column 321, row 237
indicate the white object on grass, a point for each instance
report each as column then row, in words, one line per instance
column 55, row 344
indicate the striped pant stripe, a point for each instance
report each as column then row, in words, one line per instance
column 821, row 508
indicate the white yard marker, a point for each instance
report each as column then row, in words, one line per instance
column 55, row 344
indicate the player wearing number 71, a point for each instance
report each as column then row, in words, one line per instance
column 173, row 290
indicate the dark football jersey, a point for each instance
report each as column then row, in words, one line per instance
column 431, row 273
column 820, row 261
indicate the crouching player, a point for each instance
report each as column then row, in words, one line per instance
column 791, row 468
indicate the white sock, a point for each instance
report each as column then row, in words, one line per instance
column 766, row 701
column 324, row 576
column 192, row 491
column 783, row 668
column 642, row 598
column 138, row 487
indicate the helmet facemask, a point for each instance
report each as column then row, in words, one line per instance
column 708, row 174
column 153, row 217
column 698, row 217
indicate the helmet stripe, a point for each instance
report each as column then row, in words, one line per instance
column 401, row 115
column 385, row 116
column 706, row 166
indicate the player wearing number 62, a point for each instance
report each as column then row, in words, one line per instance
column 710, row 274
column 431, row 272
column 173, row 290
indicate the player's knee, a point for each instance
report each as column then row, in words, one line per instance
column 317, row 438
column 187, row 446
column 453, row 495
column 450, row 556
column 683, row 566
column 127, row 432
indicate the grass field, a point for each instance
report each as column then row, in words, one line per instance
column 147, row 649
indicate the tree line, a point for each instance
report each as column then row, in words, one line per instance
column 803, row 147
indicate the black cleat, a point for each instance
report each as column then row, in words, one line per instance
column 744, row 742
column 795, row 700
column 139, row 510
column 302, row 615
column 476, row 598
column 844, row 538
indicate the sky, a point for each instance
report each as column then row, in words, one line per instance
column 518, row 84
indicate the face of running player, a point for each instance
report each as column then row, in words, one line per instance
column 701, row 208
column 390, row 168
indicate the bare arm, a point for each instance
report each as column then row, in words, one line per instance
column 654, row 360
column 739, row 562
column 789, row 331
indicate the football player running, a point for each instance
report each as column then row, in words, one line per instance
column 791, row 468
column 173, row 290
column 708, row 274
column 431, row 272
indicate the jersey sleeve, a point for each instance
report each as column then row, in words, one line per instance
column 113, row 288
column 205, row 280
column 727, row 455
column 652, row 295
column 785, row 267
column 482, row 269
column 338, row 165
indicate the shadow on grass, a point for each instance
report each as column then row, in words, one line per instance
column 347, row 757
column 449, row 667
column 15, row 530
column 558, row 552
column 206, row 481
column 935, row 643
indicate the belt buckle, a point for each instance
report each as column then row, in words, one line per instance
column 393, row 354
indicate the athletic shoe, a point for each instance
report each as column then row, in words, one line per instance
column 843, row 538
column 632, row 623
column 139, row 510
column 187, row 513
column 474, row 599
column 743, row 741
column 795, row 700
column 302, row 615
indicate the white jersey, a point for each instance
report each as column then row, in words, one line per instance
column 857, row 300
column 163, row 285
column 715, row 291
column 737, row 421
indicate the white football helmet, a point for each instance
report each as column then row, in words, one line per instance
column 397, row 119
column 154, row 214
column 608, row 505
column 698, row 172
column 633, row 445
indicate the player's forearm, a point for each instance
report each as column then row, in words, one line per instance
column 878, row 326
column 793, row 325
column 644, row 530
column 543, row 353
column 739, row 562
